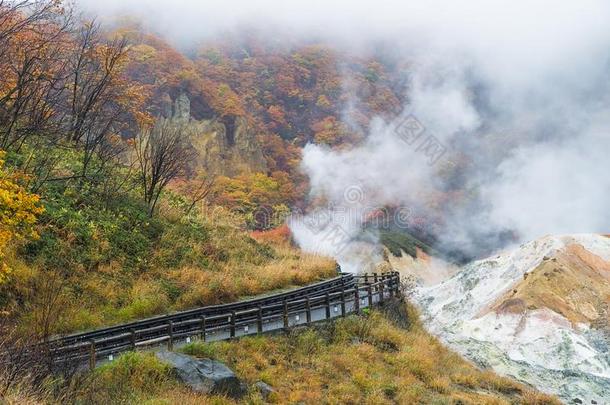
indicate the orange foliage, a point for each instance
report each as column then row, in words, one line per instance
column 281, row 89
column 275, row 236
column 329, row 131
column 289, row 94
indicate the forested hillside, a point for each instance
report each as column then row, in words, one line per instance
column 134, row 172
column 103, row 218
column 290, row 93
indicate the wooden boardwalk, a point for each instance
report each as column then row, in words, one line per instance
column 325, row 300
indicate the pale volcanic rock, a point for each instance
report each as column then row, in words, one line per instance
column 538, row 312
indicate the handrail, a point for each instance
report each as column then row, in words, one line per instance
column 342, row 279
column 324, row 300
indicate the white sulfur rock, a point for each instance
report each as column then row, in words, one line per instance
column 539, row 346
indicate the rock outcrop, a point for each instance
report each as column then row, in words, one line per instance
column 204, row 375
column 265, row 389
column 538, row 313
column 225, row 146
column 227, row 154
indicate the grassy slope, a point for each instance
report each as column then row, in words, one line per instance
column 398, row 242
column 374, row 359
column 101, row 261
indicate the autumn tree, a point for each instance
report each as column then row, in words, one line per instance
column 102, row 101
column 162, row 154
column 260, row 198
column 196, row 189
column 18, row 212
column 34, row 37
column 62, row 82
column 329, row 131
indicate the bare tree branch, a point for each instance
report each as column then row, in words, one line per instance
column 163, row 154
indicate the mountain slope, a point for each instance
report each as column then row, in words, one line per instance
column 384, row 357
column 538, row 313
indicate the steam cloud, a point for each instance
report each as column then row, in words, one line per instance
column 519, row 90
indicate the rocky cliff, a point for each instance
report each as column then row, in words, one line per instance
column 225, row 146
column 538, row 312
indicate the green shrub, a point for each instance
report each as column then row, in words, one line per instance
column 201, row 349
column 130, row 378
column 398, row 242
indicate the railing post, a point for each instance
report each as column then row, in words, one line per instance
column 259, row 320
column 203, row 327
column 232, row 327
column 397, row 283
column 92, row 355
column 285, row 315
column 366, row 278
column 375, row 278
column 170, row 332
column 308, row 310
column 133, row 339
column 134, row 336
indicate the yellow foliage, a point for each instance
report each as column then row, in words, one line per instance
column 18, row 212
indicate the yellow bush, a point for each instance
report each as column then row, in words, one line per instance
column 18, row 212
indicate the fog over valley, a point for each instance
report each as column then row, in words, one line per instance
column 517, row 90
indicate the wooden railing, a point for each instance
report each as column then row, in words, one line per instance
column 337, row 297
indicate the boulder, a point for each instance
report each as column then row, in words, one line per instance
column 265, row 389
column 204, row 375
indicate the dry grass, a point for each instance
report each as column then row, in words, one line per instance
column 379, row 358
column 290, row 268
column 119, row 298
column 22, row 395
column 364, row 360
column 225, row 266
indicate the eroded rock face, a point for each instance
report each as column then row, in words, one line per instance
column 225, row 147
column 182, row 108
column 204, row 375
column 221, row 154
column 538, row 313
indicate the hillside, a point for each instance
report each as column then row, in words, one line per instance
column 110, row 208
column 96, row 262
column 140, row 175
column 385, row 357
column 537, row 313
column 252, row 104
